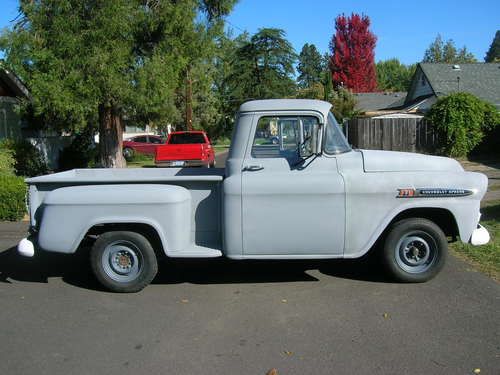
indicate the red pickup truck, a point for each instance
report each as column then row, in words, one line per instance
column 186, row 149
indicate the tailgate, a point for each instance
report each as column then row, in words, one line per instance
column 180, row 152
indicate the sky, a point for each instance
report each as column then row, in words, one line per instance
column 404, row 28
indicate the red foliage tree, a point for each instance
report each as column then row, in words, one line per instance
column 353, row 58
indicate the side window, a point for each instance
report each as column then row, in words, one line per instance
column 154, row 140
column 279, row 137
column 142, row 139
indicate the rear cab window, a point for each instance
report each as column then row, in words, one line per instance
column 187, row 138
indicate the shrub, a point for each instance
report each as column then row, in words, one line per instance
column 12, row 197
column 6, row 159
column 29, row 161
column 461, row 120
column 79, row 154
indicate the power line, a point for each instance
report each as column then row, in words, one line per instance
column 236, row 27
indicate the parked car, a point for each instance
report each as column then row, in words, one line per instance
column 309, row 197
column 186, row 149
column 142, row 144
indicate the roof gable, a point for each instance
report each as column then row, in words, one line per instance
column 479, row 79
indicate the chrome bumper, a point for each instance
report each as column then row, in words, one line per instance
column 185, row 163
column 26, row 248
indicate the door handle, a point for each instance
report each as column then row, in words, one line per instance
column 252, row 168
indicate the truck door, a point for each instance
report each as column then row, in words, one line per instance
column 290, row 208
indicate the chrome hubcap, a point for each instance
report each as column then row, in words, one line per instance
column 122, row 261
column 416, row 252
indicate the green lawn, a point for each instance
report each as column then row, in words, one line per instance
column 141, row 161
column 486, row 258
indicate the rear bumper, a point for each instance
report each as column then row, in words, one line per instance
column 480, row 236
column 182, row 163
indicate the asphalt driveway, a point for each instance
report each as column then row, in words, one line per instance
column 223, row 317
column 227, row 317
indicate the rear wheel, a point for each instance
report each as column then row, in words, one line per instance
column 123, row 261
column 415, row 250
column 128, row 153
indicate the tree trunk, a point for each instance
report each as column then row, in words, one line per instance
column 110, row 138
column 189, row 100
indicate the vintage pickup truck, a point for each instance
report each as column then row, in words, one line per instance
column 306, row 196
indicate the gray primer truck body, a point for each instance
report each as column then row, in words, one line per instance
column 332, row 205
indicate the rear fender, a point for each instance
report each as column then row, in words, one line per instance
column 70, row 212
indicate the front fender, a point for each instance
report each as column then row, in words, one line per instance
column 69, row 213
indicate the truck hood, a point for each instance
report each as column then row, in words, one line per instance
column 392, row 161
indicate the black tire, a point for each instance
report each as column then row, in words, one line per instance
column 123, row 262
column 128, row 153
column 414, row 250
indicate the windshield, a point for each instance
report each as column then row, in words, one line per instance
column 335, row 142
column 186, row 138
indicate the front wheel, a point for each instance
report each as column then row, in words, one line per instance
column 414, row 250
column 123, row 261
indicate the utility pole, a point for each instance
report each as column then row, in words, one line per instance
column 189, row 100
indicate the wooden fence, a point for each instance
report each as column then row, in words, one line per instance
column 397, row 134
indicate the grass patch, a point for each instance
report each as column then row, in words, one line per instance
column 487, row 257
column 220, row 148
column 141, row 161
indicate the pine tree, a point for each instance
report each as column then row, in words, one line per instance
column 493, row 54
column 440, row 52
column 353, row 57
column 262, row 67
column 310, row 66
column 91, row 61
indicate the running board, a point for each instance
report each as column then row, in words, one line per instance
column 196, row 251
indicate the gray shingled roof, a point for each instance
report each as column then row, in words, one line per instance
column 480, row 79
column 374, row 101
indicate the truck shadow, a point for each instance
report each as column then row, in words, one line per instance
column 75, row 270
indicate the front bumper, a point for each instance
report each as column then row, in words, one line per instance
column 26, row 247
column 480, row 236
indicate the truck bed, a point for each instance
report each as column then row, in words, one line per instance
column 204, row 185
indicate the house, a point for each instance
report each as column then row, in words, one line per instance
column 432, row 81
column 11, row 91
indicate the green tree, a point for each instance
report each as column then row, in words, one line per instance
column 344, row 104
column 440, row 52
column 461, row 120
column 394, row 76
column 493, row 54
column 85, row 60
column 310, row 66
column 262, row 67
